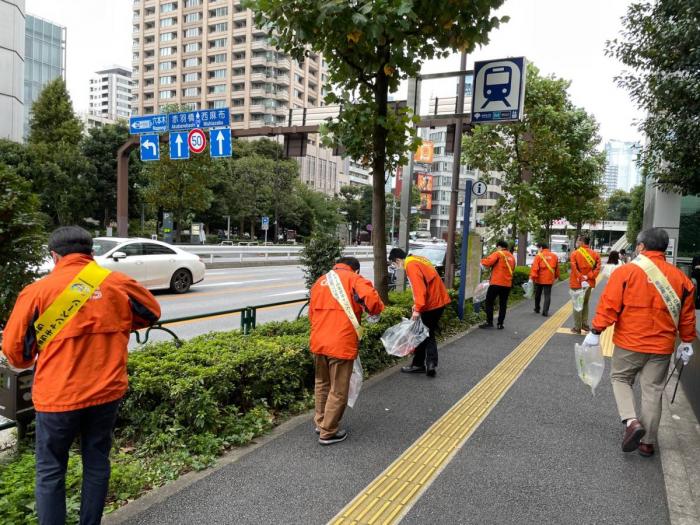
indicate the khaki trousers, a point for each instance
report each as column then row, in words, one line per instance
column 581, row 318
column 331, row 392
column 652, row 369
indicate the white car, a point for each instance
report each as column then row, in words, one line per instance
column 154, row 264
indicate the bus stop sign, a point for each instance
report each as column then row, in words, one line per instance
column 499, row 90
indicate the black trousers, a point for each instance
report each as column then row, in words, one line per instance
column 502, row 292
column 427, row 351
column 547, row 289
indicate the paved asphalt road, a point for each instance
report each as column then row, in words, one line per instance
column 232, row 288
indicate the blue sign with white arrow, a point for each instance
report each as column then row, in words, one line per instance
column 148, row 124
column 178, row 145
column 150, row 148
column 204, row 118
column 220, row 142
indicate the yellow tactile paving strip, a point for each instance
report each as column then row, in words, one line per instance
column 390, row 496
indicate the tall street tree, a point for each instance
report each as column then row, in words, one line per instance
column 369, row 46
column 660, row 44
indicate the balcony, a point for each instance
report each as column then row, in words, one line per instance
column 260, row 60
column 281, row 95
column 260, row 45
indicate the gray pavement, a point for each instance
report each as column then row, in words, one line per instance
column 549, row 452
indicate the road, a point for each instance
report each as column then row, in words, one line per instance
column 231, row 288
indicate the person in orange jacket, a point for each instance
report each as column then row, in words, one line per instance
column 429, row 300
column 79, row 365
column 646, row 326
column 585, row 267
column 502, row 264
column 334, row 341
column 543, row 273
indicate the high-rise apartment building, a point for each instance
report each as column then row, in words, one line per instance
column 45, row 59
column 110, row 94
column 623, row 156
column 12, row 20
column 610, row 180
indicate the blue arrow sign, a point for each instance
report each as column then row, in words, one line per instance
column 205, row 118
column 220, row 142
column 150, row 148
column 178, row 145
column 148, row 124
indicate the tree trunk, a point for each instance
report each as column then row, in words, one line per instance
column 381, row 281
column 241, row 226
column 547, row 231
column 252, row 228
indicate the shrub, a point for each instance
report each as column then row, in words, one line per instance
column 318, row 256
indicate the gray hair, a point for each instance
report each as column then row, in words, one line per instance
column 654, row 239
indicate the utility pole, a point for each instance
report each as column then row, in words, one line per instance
column 456, row 165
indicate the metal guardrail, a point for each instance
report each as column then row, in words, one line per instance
column 257, row 253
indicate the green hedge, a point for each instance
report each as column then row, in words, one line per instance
column 187, row 405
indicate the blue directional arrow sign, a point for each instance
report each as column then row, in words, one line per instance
column 204, row 118
column 220, row 142
column 148, row 124
column 150, row 148
column 178, row 145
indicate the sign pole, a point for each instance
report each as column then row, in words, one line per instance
column 465, row 246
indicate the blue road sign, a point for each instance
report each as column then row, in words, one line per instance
column 499, row 90
column 205, row 118
column 178, row 145
column 220, row 142
column 148, row 124
column 265, row 222
column 150, row 148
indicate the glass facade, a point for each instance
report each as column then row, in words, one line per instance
column 45, row 59
column 622, row 156
column 689, row 232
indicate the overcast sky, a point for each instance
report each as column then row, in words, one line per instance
column 562, row 37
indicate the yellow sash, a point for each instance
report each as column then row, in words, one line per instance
column 418, row 258
column 659, row 280
column 546, row 263
column 338, row 292
column 68, row 303
column 587, row 256
column 505, row 260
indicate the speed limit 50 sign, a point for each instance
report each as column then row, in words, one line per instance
column 196, row 140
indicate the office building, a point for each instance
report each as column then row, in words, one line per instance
column 623, row 156
column 356, row 174
column 12, row 20
column 45, row 59
column 610, row 180
column 110, row 94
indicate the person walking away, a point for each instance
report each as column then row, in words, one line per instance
column 73, row 327
column 544, row 273
column 335, row 308
column 623, row 256
column 429, row 300
column 650, row 302
column 502, row 264
column 585, row 267
column 612, row 264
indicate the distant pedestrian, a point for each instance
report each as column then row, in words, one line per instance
column 612, row 264
column 650, row 302
column 73, row 327
column 544, row 273
column 429, row 300
column 337, row 301
column 624, row 258
column 502, row 264
column 585, row 267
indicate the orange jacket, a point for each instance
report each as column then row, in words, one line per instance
column 85, row 364
column 642, row 321
column 500, row 274
column 581, row 267
column 429, row 292
column 332, row 333
column 539, row 272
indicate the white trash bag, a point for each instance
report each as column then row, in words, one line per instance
column 590, row 364
column 355, row 382
column 480, row 292
column 577, row 297
column 529, row 289
column 403, row 338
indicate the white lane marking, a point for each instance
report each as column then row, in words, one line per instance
column 233, row 283
column 303, row 290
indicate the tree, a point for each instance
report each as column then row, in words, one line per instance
column 636, row 215
column 318, row 256
column 659, row 44
column 369, row 46
column 21, row 236
column 619, row 205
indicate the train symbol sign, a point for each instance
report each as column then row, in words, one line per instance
column 196, row 141
column 479, row 188
column 499, row 90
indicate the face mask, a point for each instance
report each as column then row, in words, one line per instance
column 394, row 266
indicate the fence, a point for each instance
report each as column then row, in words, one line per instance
column 261, row 254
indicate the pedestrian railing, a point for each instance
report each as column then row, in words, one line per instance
column 258, row 254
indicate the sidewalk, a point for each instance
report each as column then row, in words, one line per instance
column 543, row 450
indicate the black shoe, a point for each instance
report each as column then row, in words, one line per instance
column 545, row 314
column 500, row 327
column 412, row 369
column 536, row 311
column 339, row 436
column 430, row 370
column 486, row 325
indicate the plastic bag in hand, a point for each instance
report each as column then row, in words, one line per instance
column 355, row 382
column 590, row 364
column 529, row 289
column 403, row 338
column 480, row 292
column 577, row 297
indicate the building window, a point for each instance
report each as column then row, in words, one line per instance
column 218, row 104
column 192, row 3
column 191, row 77
column 165, row 66
column 193, row 17
column 192, row 62
column 193, row 31
column 220, row 88
column 219, row 11
column 166, row 80
column 166, row 94
column 237, row 102
column 168, row 8
column 166, row 51
column 221, row 27
column 192, row 47
column 168, row 22
column 217, row 59
column 237, row 117
column 191, row 92
column 166, row 37
column 237, row 87
column 219, row 42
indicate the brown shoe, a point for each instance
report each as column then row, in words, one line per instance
column 634, row 432
column 586, row 328
column 646, row 450
column 576, row 331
